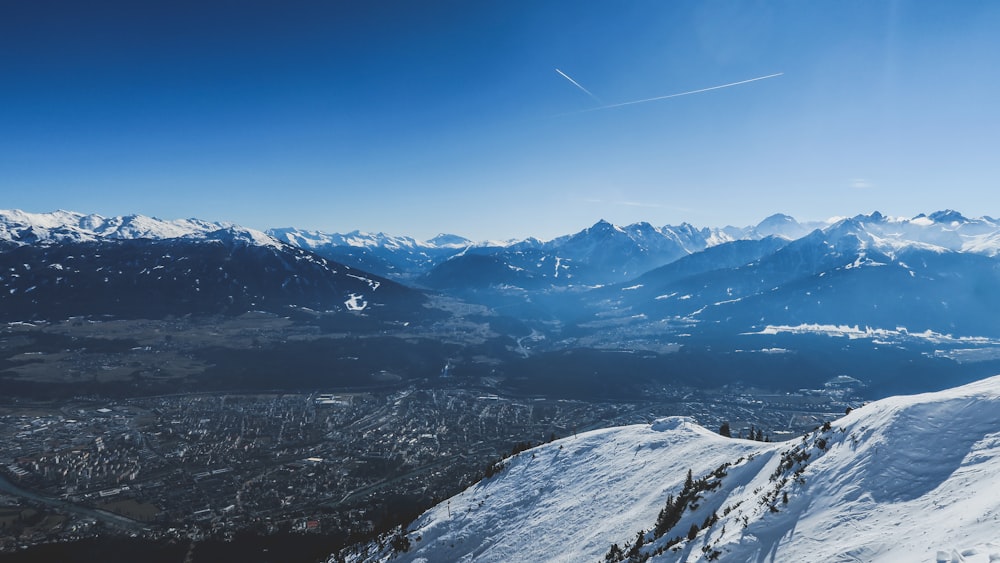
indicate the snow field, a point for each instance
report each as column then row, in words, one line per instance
column 903, row 479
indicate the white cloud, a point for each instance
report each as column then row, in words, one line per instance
column 861, row 183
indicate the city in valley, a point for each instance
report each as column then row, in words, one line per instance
column 342, row 466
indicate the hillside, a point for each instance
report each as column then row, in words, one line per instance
column 910, row 478
column 62, row 264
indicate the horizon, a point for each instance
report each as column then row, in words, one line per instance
column 827, row 222
column 493, row 121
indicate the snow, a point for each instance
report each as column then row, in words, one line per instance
column 373, row 284
column 355, row 302
column 249, row 236
column 913, row 478
column 717, row 238
column 57, row 226
column 853, row 332
column 863, row 260
column 768, row 351
column 562, row 487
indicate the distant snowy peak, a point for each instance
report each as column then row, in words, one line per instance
column 942, row 231
column 780, row 225
column 642, row 234
column 139, row 226
column 948, row 216
column 360, row 239
column 445, row 240
column 902, row 479
column 66, row 226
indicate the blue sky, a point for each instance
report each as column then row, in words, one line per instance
column 425, row 117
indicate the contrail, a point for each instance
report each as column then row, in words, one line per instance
column 673, row 95
column 577, row 84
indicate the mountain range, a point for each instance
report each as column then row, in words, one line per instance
column 63, row 264
column 900, row 304
column 909, row 478
column 602, row 253
column 863, row 271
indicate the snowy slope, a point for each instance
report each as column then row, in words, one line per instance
column 942, row 230
column 912, row 478
column 68, row 226
column 318, row 239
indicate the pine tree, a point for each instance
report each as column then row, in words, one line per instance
column 400, row 543
column 667, row 518
column 633, row 552
column 725, row 431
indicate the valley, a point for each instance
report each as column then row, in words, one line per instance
column 207, row 467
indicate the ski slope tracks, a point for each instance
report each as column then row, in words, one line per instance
column 913, row 478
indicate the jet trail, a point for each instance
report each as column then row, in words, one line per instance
column 675, row 95
column 577, row 84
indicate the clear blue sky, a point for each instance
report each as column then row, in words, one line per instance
column 425, row 117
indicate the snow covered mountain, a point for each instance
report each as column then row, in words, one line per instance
column 944, row 229
column 910, row 478
column 67, row 226
column 61, row 264
column 932, row 272
column 603, row 253
column 386, row 255
column 922, row 274
column 608, row 254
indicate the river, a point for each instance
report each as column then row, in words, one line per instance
column 109, row 518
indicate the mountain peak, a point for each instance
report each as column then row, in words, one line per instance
column 874, row 217
column 948, row 216
column 781, row 225
column 446, row 240
column 777, row 218
column 602, row 227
